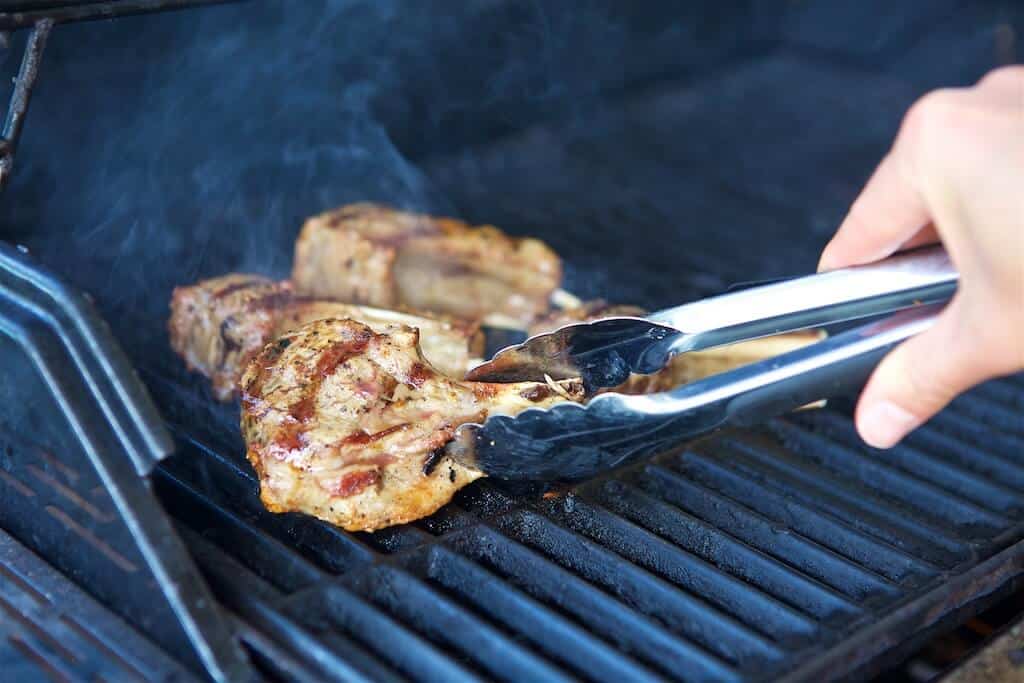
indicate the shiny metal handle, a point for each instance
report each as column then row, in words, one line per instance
column 570, row 441
column 836, row 366
column 913, row 277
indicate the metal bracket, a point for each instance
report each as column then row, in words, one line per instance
column 41, row 16
column 120, row 432
column 18, row 106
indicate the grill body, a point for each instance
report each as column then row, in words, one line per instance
column 788, row 552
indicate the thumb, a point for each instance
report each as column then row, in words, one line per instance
column 919, row 377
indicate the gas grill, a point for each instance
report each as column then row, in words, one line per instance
column 665, row 153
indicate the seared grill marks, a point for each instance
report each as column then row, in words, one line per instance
column 220, row 324
column 350, row 425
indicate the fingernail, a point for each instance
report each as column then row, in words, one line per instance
column 883, row 424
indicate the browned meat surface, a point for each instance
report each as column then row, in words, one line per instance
column 218, row 325
column 686, row 367
column 369, row 254
column 349, row 425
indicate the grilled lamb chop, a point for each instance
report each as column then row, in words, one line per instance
column 686, row 367
column 349, row 425
column 218, row 325
column 369, row 254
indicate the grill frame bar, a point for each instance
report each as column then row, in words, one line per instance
column 41, row 16
column 120, row 432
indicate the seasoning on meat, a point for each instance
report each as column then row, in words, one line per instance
column 348, row 424
column 370, row 254
column 218, row 325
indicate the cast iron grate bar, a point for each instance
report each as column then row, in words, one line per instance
column 986, row 493
column 927, row 500
column 602, row 566
column 687, row 615
column 260, row 605
column 766, row 535
column 771, row 576
column 808, row 513
column 49, row 626
column 526, row 618
column 583, row 603
column 742, row 601
column 900, row 539
column 789, row 551
column 803, row 530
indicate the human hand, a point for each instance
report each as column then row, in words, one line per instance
column 955, row 174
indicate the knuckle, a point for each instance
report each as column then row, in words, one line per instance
column 933, row 112
column 931, row 379
column 858, row 216
column 1004, row 77
column 928, row 385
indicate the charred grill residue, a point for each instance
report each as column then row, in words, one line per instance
column 430, row 464
column 229, row 343
column 536, row 393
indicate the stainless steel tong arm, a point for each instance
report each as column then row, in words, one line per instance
column 604, row 352
column 573, row 441
column 919, row 276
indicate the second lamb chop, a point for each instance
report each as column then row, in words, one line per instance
column 375, row 255
column 219, row 324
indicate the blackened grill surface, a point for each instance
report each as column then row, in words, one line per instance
column 787, row 550
column 50, row 628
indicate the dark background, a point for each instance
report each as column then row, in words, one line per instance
column 665, row 149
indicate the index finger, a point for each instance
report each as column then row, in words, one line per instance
column 889, row 210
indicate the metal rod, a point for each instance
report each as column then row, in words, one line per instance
column 23, row 85
column 83, row 11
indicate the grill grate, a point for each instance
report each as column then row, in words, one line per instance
column 790, row 550
column 49, row 626
column 734, row 559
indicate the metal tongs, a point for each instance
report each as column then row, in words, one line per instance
column 575, row 441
